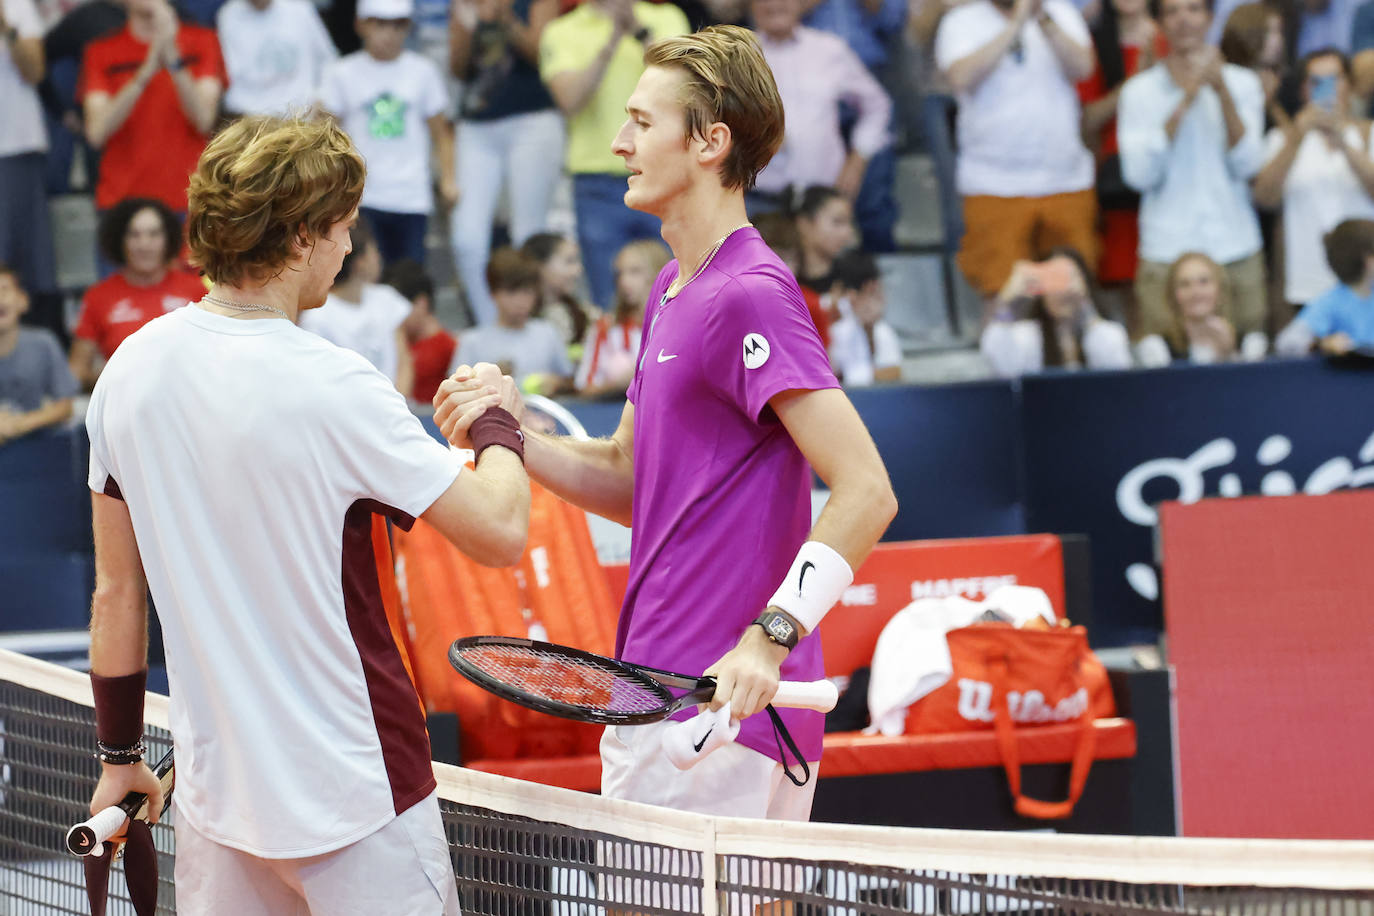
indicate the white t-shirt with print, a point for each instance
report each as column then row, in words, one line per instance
column 1320, row 191
column 252, row 455
column 275, row 57
column 1018, row 129
column 367, row 327
column 21, row 115
column 384, row 106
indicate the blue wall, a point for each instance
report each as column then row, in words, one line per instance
column 1086, row 453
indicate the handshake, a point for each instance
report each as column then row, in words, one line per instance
column 470, row 392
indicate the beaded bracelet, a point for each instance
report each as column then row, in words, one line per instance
column 120, row 756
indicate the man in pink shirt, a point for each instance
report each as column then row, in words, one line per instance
column 733, row 403
column 817, row 71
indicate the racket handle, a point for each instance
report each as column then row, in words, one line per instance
column 86, row 837
column 818, row 695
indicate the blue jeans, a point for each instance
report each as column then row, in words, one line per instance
column 399, row 235
column 25, row 233
column 604, row 226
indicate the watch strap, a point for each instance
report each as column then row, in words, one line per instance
column 780, row 627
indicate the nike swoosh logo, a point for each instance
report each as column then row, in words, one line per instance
column 702, row 743
column 801, row 579
column 663, row 359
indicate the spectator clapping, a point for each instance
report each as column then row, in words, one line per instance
column 1200, row 333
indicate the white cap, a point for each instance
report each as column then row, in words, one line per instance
column 386, row 9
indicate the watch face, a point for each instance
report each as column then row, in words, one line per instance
column 779, row 629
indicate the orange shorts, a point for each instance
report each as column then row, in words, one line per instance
column 999, row 231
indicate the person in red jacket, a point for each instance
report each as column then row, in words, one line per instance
column 142, row 236
column 150, row 96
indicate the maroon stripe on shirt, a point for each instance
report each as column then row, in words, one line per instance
column 395, row 705
column 112, row 489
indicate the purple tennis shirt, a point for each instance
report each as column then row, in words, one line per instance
column 722, row 494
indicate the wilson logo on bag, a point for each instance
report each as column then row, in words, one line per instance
column 1029, row 708
column 1007, row 679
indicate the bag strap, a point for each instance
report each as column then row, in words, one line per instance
column 1011, row 758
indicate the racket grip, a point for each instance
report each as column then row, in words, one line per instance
column 818, row 695
column 86, row 838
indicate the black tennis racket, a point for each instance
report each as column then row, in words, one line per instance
column 86, row 838
column 573, row 684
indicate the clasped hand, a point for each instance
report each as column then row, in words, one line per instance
column 469, row 393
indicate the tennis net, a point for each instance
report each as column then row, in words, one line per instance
column 520, row 849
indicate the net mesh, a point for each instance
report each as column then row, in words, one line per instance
column 525, row 850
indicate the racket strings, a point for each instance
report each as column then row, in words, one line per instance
column 561, row 679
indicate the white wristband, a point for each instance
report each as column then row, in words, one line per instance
column 817, row 579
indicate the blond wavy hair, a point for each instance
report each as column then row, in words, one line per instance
column 727, row 80
column 265, row 185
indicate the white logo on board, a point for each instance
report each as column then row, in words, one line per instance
column 755, row 350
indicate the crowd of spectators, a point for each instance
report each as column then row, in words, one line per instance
column 1124, row 182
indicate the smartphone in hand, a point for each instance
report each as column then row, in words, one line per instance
column 1324, row 92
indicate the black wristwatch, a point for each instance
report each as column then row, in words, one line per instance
column 779, row 628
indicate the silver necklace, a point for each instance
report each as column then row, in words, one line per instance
column 710, row 255
column 243, row 306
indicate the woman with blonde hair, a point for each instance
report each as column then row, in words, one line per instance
column 608, row 354
column 1199, row 298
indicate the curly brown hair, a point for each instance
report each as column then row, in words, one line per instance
column 265, row 185
column 727, row 80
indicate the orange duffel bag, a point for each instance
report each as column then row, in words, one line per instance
column 1006, row 679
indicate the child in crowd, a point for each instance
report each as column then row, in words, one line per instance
column 1196, row 289
column 779, row 233
column 525, row 347
column 36, row 387
column 143, row 237
column 431, row 345
column 863, row 348
column 608, row 358
column 825, row 224
column 394, row 105
column 560, row 275
column 1341, row 319
column 365, row 316
column 1045, row 317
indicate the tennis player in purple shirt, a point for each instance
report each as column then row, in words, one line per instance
column 733, row 403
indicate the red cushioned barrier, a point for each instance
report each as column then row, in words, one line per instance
column 854, row 754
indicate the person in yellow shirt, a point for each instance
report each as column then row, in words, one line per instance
column 591, row 59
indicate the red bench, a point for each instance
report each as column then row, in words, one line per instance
column 500, row 738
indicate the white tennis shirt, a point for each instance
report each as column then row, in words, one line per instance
column 251, row 455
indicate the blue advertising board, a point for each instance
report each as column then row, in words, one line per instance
column 1101, row 451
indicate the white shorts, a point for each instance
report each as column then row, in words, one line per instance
column 732, row 781
column 402, row 868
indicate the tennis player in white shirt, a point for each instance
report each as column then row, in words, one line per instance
column 236, row 463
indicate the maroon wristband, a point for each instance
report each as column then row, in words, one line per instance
column 497, row 427
column 119, row 708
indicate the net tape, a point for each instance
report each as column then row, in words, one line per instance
column 520, row 849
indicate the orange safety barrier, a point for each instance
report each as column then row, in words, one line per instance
column 557, row 592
